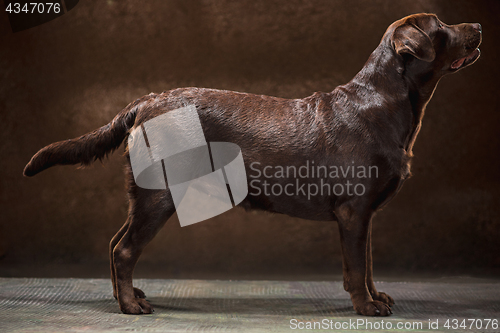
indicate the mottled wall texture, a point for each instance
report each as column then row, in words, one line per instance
column 73, row 74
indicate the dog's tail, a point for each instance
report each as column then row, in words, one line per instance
column 87, row 148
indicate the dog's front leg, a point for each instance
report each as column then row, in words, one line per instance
column 354, row 226
column 377, row 296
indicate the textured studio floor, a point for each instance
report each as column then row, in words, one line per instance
column 76, row 305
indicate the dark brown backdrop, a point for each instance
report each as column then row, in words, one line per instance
column 72, row 75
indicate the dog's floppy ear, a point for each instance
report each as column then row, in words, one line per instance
column 409, row 38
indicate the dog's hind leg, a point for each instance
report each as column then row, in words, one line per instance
column 116, row 238
column 148, row 212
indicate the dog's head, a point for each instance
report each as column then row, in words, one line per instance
column 427, row 43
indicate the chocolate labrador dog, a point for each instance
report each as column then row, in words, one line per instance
column 372, row 121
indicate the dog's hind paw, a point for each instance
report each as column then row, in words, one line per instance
column 375, row 308
column 384, row 298
column 136, row 306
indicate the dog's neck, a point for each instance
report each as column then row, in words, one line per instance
column 421, row 86
column 405, row 85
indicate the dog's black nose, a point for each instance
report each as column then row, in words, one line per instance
column 477, row 27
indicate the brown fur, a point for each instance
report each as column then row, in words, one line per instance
column 373, row 120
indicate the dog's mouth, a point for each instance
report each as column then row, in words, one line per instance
column 466, row 61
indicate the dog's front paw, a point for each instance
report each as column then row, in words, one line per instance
column 375, row 308
column 138, row 293
column 383, row 297
column 136, row 306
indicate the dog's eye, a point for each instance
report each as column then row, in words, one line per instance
column 440, row 25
